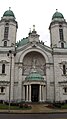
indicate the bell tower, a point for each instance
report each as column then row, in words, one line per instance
column 58, row 30
column 8, row 29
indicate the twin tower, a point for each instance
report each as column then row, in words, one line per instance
column 8, row 29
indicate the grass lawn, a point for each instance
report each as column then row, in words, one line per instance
column 64, row 106
column 57, row 105
column 4, row 106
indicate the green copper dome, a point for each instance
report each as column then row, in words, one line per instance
column 8, row 13
column 22, row 42
column 34, row 76
column 57, row 15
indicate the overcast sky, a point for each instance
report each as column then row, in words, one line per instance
column 34, row 12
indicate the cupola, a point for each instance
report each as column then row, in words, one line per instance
column 58, row 16
column 9, row 13
column 58, row 30
column 34, row 76
column 8, row 29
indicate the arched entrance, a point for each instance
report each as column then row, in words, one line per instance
column 28, row 62
column 34, row 92
column 35, row 71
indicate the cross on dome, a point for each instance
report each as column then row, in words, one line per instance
column 9, row 8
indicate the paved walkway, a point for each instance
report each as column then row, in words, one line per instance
column 37, row 108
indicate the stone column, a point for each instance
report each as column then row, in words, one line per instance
column 23, row 92
column 43, row 93
column 48, row 76
column 40, row 93
column 29, row 93
column 20, row 83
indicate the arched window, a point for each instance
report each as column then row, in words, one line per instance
column 65, row 89
column 61, row 34
column 64, row 69
column 6, row 33
column 62, row 45
column 3, row 68
column 5, row 43
column 2, row 89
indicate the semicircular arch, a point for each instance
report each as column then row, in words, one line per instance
column 36, row 50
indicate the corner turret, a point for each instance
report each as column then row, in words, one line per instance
column 8, row 29
column 58, row 30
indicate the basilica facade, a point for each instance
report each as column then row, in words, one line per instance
column 30, row 70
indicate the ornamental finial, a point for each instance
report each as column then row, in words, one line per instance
column 30, row 30
column 33, row 27
column 56, row 10
column 9, row 8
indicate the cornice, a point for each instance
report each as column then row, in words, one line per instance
column 59, row 51
column 4, row 83
column 3, row 61
column 35, row 46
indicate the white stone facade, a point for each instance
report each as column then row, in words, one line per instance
column 18, row 64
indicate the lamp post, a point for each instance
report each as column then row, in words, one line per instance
column 10, row 54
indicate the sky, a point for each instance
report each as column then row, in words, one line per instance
column 34, row 12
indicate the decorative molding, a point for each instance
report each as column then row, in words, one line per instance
column 62, row 41
column 62, row 82
column 3, row 74
column 63, row 62
column 5, row 40
column 2, row 93
column 52, row 83
column 3, row 61
column 4, row 83
column 65, row 93
column 15, row 83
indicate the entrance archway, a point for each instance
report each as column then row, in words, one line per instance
column 34, row 92
column 28, row 61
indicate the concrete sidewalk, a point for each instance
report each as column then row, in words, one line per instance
column 36, row 108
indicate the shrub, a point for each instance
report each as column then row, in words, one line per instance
column 25, row 105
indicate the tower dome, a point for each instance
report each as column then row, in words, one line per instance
column 57, row 15
column 9, row 13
